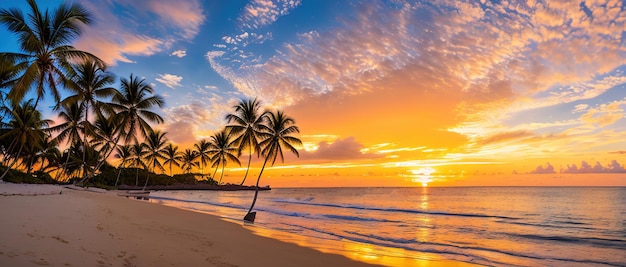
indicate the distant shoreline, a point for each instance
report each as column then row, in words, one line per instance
column 229, row 187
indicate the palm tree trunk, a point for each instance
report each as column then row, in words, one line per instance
column 64, row 166
column 222, row 175
column 248, row 169
column 12, row 163
column 137, row 177
column 85, row 141
column 214, row 173
column 256, row 192
column 118, row 175
column 146, row 184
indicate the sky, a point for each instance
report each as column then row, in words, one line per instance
column 387, row 93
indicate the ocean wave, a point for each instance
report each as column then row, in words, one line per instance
column 395, row 210
column 545, row 225
column 233, row 206
column 412, row 244
column 603, row 242
column 356, row 218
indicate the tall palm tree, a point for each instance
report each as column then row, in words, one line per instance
column 172, row 156
column 222, row 151
column 25, row 128
column 133, row 103
column 44, row 39
column 245, row 123
column 276, row 136
column 88, row 81
column 155, row 151
column 202, row 152
column 138, row 151
column 125, row 155
column 188, row 160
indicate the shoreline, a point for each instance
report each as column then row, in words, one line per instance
column 56, row 226
column 81, row 228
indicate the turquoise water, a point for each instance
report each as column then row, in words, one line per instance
column 515, row 226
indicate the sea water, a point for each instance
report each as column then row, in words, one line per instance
column 513, row 226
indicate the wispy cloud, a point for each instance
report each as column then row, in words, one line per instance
column 116, row 38
column 170, row 80
column 259, row 13
column 179, row 53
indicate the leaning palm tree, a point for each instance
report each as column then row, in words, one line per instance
column 125, row 155
column 276, row 136
column 223, row 150
column 172, row 156
column 26, row 128
column 132, row 103
column 155, row 151
column 202, row 152
column 245, row 123
column 44, row 39
column 188, row 160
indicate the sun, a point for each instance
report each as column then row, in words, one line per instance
column 423, row 175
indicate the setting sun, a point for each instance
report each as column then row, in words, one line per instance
column 423, row 175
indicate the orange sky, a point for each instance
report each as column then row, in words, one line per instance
column 390, row 93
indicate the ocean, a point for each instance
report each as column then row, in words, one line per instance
column 493, row 226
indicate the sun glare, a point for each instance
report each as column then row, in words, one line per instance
column 423, row 175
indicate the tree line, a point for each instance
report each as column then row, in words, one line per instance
column 98, row 120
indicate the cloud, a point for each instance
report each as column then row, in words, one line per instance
column 612, row 167
column 260, row 13
column 170, row 80
column 154, row 26
column 544, row 170
column 580, row 108
column 179, row 53
column 340, row 149
column 507, row 136
column 605, row 114
column 464, row 72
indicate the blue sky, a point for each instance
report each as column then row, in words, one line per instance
column 498, row 85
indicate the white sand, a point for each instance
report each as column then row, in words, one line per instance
column 46, row 225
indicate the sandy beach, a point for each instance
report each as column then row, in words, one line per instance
column 45, row 225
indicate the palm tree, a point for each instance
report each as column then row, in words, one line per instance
column 125, row 155
column 89, row 82
column 172, row 156
column 72, row 128
column 222, row 150
column 188, row 160
column 276, row 136
column 133, row 103
column 246, row 123
column 202, row 152
column 155, row 151
column 138, row 151
column 45, row 39
column 26, row 128
column 104, row 133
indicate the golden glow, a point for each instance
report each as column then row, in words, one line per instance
column 423, row 175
